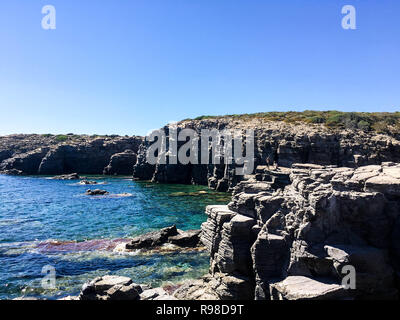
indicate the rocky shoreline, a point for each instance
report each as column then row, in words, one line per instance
column 330, row 202
column 290, row 243
column 275, row 142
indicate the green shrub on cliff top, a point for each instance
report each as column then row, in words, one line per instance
column 377, row 121
column 61, row 138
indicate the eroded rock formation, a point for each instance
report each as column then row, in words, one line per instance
column 296, row 242
column 46, row 155
column 280, row 142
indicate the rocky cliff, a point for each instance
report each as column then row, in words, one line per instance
column 51, row 155
column 300, row 242
column 280, row 142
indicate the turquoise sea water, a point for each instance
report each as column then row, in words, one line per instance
column 51, row 222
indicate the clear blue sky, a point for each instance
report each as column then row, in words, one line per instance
column 127, row 67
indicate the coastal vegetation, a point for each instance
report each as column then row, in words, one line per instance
column 381, row 122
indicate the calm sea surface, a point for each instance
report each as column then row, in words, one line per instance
column 47, row 222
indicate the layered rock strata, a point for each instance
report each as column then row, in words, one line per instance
column 275, row 142
column 301, row 242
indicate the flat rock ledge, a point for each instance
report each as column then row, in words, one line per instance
column 298, row 242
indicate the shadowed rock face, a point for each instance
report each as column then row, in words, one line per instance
column 121, row 163
column 295, row 243
column 280, row 142
column 36, row 154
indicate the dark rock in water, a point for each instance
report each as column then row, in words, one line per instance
column 110, row 288
column 96, row 192
column 189, row 238
column 121, row 163
column 87, row 182
column 71, row 176
column 152, row 239
column 172, row 235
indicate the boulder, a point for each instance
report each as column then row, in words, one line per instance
column 189, row 238
column 87, row 182
column 153, row 294
column 110, row 288
column 152, row 239
column 303, row 288
column 96, row 192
